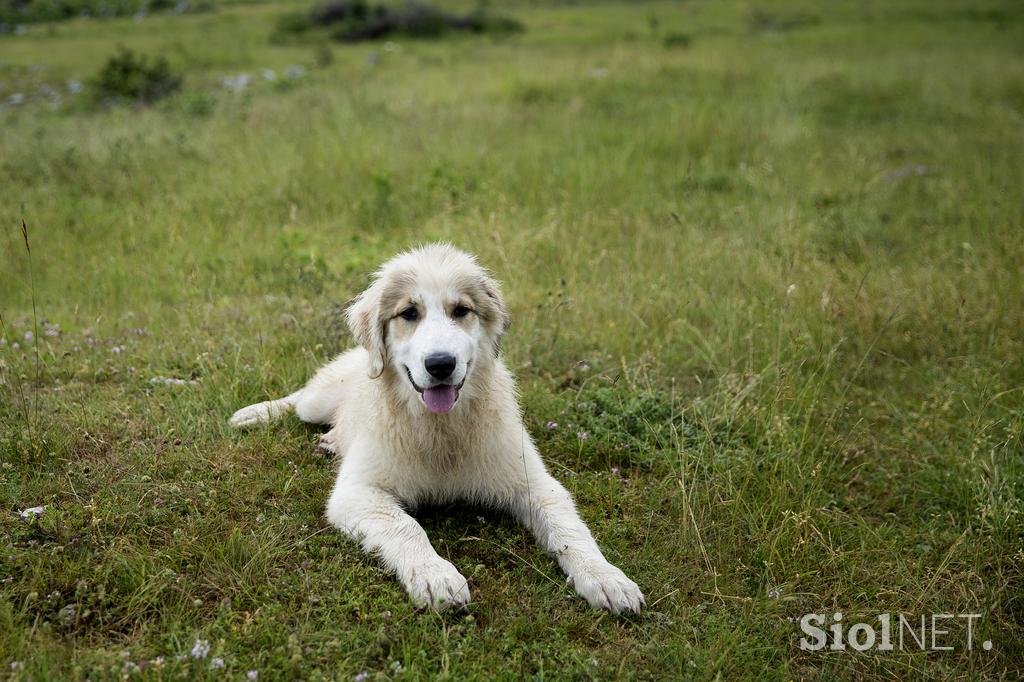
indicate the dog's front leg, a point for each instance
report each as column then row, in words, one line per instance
column 377, row 521
column 546, row 508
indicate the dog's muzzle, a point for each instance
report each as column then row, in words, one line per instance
column 440, row 398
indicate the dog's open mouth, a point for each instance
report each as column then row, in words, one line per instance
column 438, row 399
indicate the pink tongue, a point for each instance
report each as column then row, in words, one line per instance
column 440, row 399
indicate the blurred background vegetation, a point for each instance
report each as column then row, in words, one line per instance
column 764, row 265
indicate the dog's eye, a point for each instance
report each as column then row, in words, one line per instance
column 461, row 311
column 410, row 314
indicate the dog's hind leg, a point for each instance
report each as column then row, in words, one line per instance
column 264, row 413
column 316, row 403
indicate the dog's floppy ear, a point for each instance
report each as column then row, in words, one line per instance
column 364, row 321
column 495, row 310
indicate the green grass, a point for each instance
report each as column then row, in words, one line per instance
column 772, row 268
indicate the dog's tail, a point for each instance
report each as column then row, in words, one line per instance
column 264, row 413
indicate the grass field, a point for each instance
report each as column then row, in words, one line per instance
column 767, row 256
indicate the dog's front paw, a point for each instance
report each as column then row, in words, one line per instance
column 606, row 587
column 328, row 445
column 437, row 585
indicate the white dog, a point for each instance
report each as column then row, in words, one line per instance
column 425, row 411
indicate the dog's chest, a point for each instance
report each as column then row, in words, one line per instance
column 439, row 465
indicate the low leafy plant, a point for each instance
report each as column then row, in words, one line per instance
column 138, row 78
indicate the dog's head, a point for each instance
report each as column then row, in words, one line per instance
column 430, row 318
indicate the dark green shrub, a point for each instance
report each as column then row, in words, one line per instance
column 14, row 12
column 357, row 20
column 680, row 40
column 138, row 78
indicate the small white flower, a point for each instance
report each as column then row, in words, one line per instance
column 29, row 336
column 253, row 674
column 790, row 290
column 17, row 665
column 75, row 87
column 362, row 677
column 269, row 74
column 200, row 649
column 552, row 426
column 295, row 71
column 582, row 435
column 216, row 663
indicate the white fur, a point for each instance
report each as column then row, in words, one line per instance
column 396, row 454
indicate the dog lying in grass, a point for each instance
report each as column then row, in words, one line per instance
column 425, row 411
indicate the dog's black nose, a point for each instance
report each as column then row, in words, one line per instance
column 440, row 365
